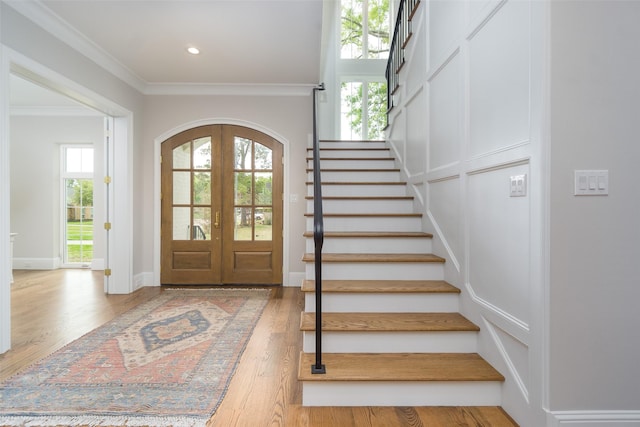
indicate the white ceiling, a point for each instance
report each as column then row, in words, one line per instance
column 242, row 42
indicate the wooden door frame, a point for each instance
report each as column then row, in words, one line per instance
column 157, row 185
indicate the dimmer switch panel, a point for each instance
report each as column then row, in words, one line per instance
column 591, row 183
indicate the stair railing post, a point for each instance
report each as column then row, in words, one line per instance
column 318, row 235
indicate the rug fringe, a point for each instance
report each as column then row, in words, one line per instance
column 96, row 420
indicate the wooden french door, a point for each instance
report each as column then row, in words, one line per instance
column 221, row 207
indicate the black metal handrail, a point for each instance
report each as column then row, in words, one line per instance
column 318, row 234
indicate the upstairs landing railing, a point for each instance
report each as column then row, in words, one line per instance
column 401, row 35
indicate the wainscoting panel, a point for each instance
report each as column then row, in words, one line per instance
column 445, row 114
column 499, row 64
column 499, row 241
column 444, row 207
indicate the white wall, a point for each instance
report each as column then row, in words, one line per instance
column 467, row 118
column 594, row 284
column 35, row 185
column 287, row 118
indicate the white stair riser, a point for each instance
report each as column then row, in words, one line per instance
column 348, row 153
column 392, row 342
column 363, row 176
column 360, row 190
column 377, row 163
column 408, row 393
column 364, row 206
column 380, row 271
column 352, row 144
column 369, row 223
column 373, row 245
column 384, row 303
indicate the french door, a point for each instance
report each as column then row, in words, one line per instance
column 221, row 207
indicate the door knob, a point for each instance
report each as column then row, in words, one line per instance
column 216, row 224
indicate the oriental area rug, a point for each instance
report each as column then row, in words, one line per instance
column 167, row 362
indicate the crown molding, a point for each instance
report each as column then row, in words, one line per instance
column 236, row 89
column 59, row 28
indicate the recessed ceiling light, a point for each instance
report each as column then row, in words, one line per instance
column 193, row 50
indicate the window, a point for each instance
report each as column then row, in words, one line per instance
column 365, row 29
column 77, row 185
column 363, row 110
column 364, row 48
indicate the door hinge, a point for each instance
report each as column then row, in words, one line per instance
column 107, row 226
column 107, row 272
column 107, row 180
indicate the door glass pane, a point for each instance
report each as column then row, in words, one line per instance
column 242, row 153
column 263, row 157
column 182, row 156
column 202, row 153
column 263, row 223
column 264, row 181
column 202, row 188
column 181, row 223
column 243, row 224
column 242, row 188
column 79, row 221
column 201, row 224
column 181, row 188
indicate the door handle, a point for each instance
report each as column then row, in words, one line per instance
column 216, row 224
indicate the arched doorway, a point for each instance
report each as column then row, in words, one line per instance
column 221, row 207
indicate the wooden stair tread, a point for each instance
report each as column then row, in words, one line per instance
column 357, row 170
column 368, row 215
column 352, row 149
column 381, row 286
column 382, row 258
column 346, row 198
column 353, row 140
column 386, row 159
column 359, row 183
column 388, row 322
column 385, row 234
column 399, row 367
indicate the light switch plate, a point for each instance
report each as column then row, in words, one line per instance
column 518, row 186
column 591, row 182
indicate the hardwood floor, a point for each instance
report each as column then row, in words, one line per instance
column 52, row 308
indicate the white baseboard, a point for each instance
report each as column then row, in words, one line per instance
column 141, row 280
column 594, row 418
column 97, row 264
column 295, row 279
column 36, row 263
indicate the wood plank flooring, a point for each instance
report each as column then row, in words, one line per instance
column 51, row 309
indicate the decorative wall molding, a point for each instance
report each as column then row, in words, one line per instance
column 593, row 418
column 491, row 328
column 441, row 237
column 511, row 324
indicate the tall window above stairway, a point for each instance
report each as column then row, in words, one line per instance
column 365, row 29
column 364, row 49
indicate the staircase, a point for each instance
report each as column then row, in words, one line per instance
column 392, row 334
